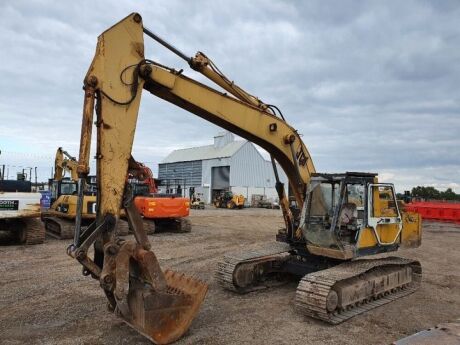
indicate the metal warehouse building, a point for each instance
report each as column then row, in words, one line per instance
column 228, row 164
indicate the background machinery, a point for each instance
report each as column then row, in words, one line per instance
column 20, row 211
column 59, row 219
column 335, row 219
column 226, row 199
column 196, row 201
column 160, row 211
column 261, row 201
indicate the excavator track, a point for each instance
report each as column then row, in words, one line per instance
column 122, row 228
column 59, row 228
column 34, row 231
column 352, row 288
column 232, row 263
column 177, row 225
column 184, row 225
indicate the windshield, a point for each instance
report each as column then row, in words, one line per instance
column 68, row 188
column 355, row 194
column 324, row 198
column 323, row 201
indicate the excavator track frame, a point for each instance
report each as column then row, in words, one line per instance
column 271, row 256
column 316, row 293
column 59, row 228
column 30, row 230
column 385, row 279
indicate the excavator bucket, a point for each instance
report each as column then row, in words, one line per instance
column 164, row 317
column 160, row 305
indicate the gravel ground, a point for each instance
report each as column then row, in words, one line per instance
column 44, row 299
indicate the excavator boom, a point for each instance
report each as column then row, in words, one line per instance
column 117, row 76
column 136, row 287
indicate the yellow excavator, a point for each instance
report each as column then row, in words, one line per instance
column 335, row 219
column 59, row 219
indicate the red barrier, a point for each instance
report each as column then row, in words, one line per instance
column 436, row 210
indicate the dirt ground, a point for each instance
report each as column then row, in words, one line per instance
column 44, row 299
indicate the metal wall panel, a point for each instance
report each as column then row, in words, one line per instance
column 190, row 171
column 249, row 168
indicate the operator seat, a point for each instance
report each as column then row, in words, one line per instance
column 348, row 213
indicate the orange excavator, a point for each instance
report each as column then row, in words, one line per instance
column 164, row 212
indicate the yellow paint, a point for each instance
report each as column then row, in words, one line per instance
column 63, row 164
column 71, row 203
column 386, row 232
column 412, row 230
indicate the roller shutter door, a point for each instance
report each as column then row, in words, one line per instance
column 220, row 177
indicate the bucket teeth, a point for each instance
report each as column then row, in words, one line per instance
column 182, row 283
column 164, row 317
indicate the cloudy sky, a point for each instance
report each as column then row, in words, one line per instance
column 372, row 86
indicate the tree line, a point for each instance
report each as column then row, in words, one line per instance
column 431, row 193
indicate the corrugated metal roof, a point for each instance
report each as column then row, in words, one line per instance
column 204, row 152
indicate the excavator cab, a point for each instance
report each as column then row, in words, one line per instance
column 334, row 209
column 350, row 215
column 62, row 187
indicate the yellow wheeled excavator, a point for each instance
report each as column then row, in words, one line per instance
column 334, row 221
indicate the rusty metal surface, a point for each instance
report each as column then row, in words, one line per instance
column 232, row 263
column 136, row 223
column 161, row 306
column 342, row 254
column 374, row 282
column 29, row 213
column 443, row 334
column 164, row 316
column 86, row 127
column 60, row 229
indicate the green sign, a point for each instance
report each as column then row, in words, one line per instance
column 9, row 205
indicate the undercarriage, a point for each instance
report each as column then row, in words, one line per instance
column 59, row 228
column 329, row 290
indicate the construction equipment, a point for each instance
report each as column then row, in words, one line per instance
column 195, row 199
column 160, row 211
column 261, row 201
column 59, row 219
column 197, row 204
column 227, row 199
column 325, row 232
column 20, row 211
column 64, row 162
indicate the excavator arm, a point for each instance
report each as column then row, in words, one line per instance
column 143, row 173
column 117, row 76
column 64, row 162
column 160, row 305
